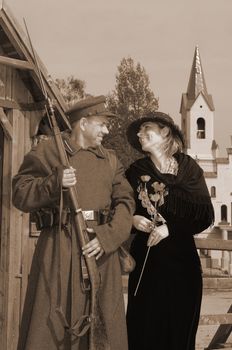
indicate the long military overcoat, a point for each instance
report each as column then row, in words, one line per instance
column 38, row 185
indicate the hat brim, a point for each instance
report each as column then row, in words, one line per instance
column 75, row 117
column 134, row 128
column 107, row 114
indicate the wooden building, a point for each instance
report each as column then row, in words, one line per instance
column 21, row 108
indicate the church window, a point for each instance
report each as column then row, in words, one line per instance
column 224, row 213
column 213, row 192
column 201, row 128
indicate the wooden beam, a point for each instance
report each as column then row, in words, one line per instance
column 222, row 334
column 15, row 63
column 8, row 104
column 219, row 319
column 217, row 283
column 213, row 244
column 7, row 127
column 31, row 106
column 12, row 36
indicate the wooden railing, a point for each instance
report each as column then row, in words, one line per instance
column 224, row 321
column 213, row 244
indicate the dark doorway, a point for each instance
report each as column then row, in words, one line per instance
column 1, row 179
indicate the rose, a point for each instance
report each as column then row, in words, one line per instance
column 145, row 178
column 158, row 186
column 155, row 197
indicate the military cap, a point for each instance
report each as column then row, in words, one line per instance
column 90, row 106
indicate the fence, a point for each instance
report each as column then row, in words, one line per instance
column 224, row 321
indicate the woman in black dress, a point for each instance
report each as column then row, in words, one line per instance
column 172, row 204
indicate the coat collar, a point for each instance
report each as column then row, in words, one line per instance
column 72, row 148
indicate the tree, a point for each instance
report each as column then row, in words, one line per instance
column 72, row 89
column 131, row 99
column 132, row 95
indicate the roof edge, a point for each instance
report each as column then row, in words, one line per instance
column 19, row 34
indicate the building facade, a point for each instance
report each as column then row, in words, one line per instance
column 197, row 122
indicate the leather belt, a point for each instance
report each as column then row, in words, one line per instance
column 102, row 216
column 49, row 218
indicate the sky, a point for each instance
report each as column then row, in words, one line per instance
column 89, row 38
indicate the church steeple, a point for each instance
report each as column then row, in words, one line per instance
column 197, row 83
column 197, row 114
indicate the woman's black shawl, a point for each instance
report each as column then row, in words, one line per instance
column 188, row 196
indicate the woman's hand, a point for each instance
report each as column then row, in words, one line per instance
column 142, row 223
column 157, row 234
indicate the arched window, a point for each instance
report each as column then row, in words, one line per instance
column 224, row 213
column 201, row 128
column 213, row 192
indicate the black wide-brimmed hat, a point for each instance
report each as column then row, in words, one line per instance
column 157, row 118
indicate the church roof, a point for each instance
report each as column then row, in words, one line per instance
column 187, row 103
column 197, row 83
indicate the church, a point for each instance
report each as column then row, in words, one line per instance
column 197, row 123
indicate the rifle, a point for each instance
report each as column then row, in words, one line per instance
column 93, row 322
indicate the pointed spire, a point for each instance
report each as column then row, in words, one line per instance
column 196, row 81
column 2, row 4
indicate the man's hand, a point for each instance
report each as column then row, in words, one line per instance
column 93, row 248
column 69, row 177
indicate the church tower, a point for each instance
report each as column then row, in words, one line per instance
column 197, row 117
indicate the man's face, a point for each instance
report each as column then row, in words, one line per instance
column 95, row 129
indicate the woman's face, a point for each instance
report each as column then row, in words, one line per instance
column 150, row 136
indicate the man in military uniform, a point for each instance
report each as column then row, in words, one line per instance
column 55, row 299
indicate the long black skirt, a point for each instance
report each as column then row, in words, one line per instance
column 164, row 314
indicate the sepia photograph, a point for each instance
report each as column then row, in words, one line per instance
column 115, row 175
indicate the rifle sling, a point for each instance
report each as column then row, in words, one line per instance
column 81, row 326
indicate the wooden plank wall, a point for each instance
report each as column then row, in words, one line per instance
column 17, row 246
column 28, row 243
column 5, row 234
column 16, row 230
column 5, row 222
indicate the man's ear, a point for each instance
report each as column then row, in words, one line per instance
column 83, row 123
